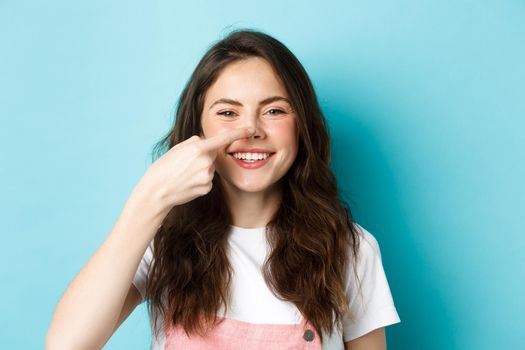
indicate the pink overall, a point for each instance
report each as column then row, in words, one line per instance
column 234, row 334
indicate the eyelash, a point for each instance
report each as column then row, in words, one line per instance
column 273, row 109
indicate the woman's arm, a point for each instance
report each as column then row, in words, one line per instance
column 132, row 300
column 374, row 340
column 101, row 295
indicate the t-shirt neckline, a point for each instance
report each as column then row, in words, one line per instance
column 248, row 229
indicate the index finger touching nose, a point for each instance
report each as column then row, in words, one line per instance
column 227, row 137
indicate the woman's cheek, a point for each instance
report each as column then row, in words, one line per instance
column 213, row 129
column 282, row 130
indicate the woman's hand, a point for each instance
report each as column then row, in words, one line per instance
column 186, row 171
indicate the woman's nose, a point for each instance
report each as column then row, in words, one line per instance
column 258, row 133
column 257, row 125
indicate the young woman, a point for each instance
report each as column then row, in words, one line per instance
column 236, row 236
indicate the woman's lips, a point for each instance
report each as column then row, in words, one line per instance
column 251, row 165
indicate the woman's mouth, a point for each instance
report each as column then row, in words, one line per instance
column 251, row 160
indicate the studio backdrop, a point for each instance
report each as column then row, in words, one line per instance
column 426, row 107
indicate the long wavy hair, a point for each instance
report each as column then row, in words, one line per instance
column 312, row 237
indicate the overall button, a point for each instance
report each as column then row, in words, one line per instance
column 308, row 335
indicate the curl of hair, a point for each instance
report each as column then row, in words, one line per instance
column 312, row 237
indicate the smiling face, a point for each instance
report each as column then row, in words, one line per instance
column 249, row 93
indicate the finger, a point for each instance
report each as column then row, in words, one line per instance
column 226, row 138
column 188, row 140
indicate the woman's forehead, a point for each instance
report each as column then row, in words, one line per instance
column 248, row 81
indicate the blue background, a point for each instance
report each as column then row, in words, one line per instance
column 426, row 107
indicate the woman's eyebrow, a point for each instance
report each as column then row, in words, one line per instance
column 237, row 103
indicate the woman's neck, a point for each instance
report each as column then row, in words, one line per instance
column 252, row 209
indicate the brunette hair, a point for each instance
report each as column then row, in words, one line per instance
column 312, row 237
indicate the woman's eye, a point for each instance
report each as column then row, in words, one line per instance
column 273, row 111
column 224, row 113
column 276, row 110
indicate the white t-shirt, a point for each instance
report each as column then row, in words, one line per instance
column 248, row 250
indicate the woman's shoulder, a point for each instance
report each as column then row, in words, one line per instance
column 368, row 244
column 367, row 267
column 370, row 299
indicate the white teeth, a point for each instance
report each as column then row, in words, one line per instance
column 251, row 156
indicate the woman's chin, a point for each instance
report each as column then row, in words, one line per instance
column 247, row 186
column 251, row 188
